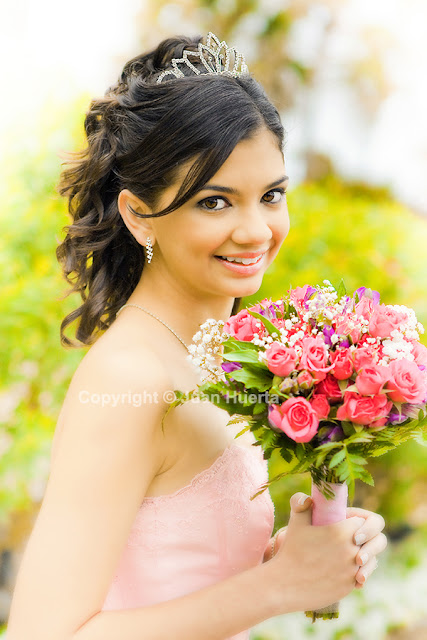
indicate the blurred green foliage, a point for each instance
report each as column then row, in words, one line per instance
column 338, row 231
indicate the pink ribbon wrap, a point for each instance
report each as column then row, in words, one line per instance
column 326, row 511
column 323, row 512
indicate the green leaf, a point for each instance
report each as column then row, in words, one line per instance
column 245, row 356
column 421, row 438
column 252, row 379
column 365, row 476
column 259, row 408
column 341, row 291
column 337, row 458
column 266, row 322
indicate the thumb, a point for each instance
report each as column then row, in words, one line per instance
column 300, row 509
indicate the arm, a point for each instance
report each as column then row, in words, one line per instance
column 213, row 613
column 105, row 460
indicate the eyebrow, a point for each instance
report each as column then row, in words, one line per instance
column 215, row 187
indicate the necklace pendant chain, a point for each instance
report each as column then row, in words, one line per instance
column 130, row 304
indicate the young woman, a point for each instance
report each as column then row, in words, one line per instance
column 178, row 207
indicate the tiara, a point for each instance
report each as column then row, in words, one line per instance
column 214, row 55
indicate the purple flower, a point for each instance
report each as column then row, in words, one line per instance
column 328, row 332
column 330, row 433
column 344, row 343
column 230, row 366
column 368, row 293
column 269, row 312
column 308, row 294
column 396, row 418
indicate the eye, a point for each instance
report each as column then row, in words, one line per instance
column 212, row 200
column 278, row 192
column 211, row 203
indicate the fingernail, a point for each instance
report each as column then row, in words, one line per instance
column 364, row 558
column 363, row 576
column 360, row 538
column 303, row 499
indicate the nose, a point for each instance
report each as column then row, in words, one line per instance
column 252, row 228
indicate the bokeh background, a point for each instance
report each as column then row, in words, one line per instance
column 348, row 77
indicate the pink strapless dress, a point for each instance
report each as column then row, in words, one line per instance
column 201, row 534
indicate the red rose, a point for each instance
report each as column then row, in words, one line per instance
column 364, row 356
column 320, row 404
column 364, row 409
column 295, row 417
column 330, row 388
column 343, row 363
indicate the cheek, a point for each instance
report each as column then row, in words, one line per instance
column 280, row 230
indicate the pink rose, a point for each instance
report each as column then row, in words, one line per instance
column 346, row 326
column 371, row 379
column 281, row 360
column 315, row 357
column 419, row 352
column 343, row 363
column 297, row 296
column 384, row 320
column 320, row 404
column 330, row 388
column 305, row 380
column 364, row 410
column 243, row 326
column 365, row 307
column 406, row 383
column 364, row 356
column 295, row 417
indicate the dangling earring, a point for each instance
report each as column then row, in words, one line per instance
column 149, row 249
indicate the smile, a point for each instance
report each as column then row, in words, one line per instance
column 245, row 266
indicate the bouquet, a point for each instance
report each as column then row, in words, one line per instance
column 326, row 379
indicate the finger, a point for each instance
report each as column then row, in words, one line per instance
column 364, row 572
column 372, row 525
column 371, row 548
column 301, row 502
column 300, row 509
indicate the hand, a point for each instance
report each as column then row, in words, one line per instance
column 275, row 543
column 314, row 565
column 374, row 542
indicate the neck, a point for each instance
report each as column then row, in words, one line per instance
column 183, row 310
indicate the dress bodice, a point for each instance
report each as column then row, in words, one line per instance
column 201, row 534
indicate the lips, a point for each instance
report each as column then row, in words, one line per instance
column 244, row 269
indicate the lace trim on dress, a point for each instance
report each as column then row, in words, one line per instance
column 200, row 478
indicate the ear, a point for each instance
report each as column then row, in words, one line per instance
column 140, row 228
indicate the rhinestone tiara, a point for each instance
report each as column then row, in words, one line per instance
column 215, row 56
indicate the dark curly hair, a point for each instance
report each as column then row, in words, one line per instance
column 138, row 135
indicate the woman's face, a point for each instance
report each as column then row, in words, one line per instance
column 242, row 214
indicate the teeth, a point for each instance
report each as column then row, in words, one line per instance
column 242, row 260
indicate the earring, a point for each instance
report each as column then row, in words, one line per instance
column 149, row 250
